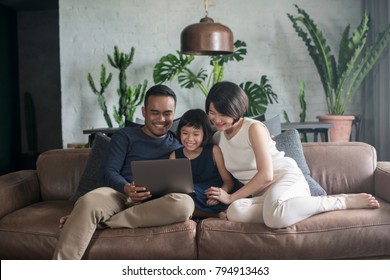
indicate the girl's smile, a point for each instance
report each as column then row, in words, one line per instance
column 191, row 138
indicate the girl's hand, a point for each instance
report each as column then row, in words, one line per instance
column 218, row 194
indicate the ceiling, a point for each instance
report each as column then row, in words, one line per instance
column 30, row 5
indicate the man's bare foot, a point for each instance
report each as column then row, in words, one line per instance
column 360, row 200
column 62, row 221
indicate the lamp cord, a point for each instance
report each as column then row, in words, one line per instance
column 206, row 7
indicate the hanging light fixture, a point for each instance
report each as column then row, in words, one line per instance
column 206, row 37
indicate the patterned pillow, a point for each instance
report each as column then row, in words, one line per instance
column 90, row 179
column 290, row 142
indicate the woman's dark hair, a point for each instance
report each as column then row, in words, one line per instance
column 196, row 118
column 159, row 90
column 228, row 99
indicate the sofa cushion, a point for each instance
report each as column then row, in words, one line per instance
column 344, row 234
column 32, row 233
column 90, row 179
column 290, row 143
column 342, row 167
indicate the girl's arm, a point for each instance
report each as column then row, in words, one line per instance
column 172, row 155
column 226, row 177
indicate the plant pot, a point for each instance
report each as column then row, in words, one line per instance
column 342, row 126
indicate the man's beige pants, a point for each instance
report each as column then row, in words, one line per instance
column 105, row 207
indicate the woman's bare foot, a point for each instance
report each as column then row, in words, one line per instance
column 360, row 200
column 62, row 221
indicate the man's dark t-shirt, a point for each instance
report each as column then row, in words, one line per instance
column 128, row 144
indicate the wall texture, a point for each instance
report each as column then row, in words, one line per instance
column 9, row 107
column 90, row 29
column 39, row 75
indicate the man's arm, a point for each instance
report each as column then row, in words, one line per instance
column 113, row 162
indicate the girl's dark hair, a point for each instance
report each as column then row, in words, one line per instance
column 228, row 99
column 196, row 118
column 159, row 90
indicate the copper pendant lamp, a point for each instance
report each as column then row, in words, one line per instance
column 206, row 37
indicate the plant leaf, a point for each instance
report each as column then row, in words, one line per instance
column 238, row 54
column 319, row 51
column 188, row 79
column 258, row 100
column 169, row 66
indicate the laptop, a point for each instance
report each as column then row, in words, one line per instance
column 163, row 176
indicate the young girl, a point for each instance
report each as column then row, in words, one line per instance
column 280, row 195
column 208, row 168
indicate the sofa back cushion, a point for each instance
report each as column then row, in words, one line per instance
column 290, row 143
column 59, row 172
column 342, row 167
column 91, row 177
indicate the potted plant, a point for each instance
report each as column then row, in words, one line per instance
column 171, row 66
column 340, row 79
column 302, row 114
column 129, row 97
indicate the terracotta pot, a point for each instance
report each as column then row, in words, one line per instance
column 342, row 126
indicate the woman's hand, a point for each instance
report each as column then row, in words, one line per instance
column 218, row 194
column 212, row 201
column 136, row 194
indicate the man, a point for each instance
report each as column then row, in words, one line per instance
column 106, row 207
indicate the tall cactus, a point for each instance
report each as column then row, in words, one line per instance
column 104, row 81
column 134, row 98
column 129, row 98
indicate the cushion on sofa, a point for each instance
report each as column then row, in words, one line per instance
column 90, row 179
column 290, row 143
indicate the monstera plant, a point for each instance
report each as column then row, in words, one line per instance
column 171, row 66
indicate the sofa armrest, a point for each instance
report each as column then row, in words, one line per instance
column 17, row 190
column 382, row 180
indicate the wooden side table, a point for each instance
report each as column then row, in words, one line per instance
column 310, row 127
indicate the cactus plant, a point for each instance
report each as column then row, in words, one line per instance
column 129, row 97
column 104, row 81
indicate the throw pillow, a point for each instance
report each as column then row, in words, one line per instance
column 273, row 125
column 290, row 143
column 90, row 179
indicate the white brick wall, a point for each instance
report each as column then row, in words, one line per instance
column 89, row 30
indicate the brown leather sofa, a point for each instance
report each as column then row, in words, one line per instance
column 32, row 201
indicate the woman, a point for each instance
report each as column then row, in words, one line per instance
column 274, row 189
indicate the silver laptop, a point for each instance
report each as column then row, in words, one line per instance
column 164, row 176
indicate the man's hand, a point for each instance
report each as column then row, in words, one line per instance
column 136, row 194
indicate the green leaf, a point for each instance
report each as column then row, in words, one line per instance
column 302, row 102
column 342, row 82
column 239, row 53
column 319, row 51
column 188, row 79
column 92, row 84
column 169, row 66
column 285, row 115
column 258, row 100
